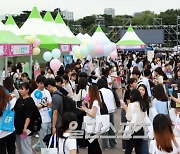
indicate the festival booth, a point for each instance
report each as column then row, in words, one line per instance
column 12, row 46
column 35, row 25
column 131, row 41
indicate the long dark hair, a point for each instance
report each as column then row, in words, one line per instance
column 67, row 118
column 163, row 133
column 135, row 96
column 8, row 84
column 146, row 100
column 82, row 83
column 94, row 95
column 4, row 99
column 159, row 93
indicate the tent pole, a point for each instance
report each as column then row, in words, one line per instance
column 30, row 69
column 6, row 61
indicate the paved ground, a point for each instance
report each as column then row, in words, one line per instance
column 117, row 150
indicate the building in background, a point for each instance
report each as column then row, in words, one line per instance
column 109, row 11
column 67, row 15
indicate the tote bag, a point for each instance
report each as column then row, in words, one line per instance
column 99, row 124
column 7, row 120
column 49, row 150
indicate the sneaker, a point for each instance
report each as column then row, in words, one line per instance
column 34, row 150
column 123, row 150
column 37, row 135
column 106, row 148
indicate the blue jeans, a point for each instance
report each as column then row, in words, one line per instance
column 109, row 142
column 145, row 149
column 45, row 130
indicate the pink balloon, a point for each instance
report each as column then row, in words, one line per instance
column 98, row 49
column 37, row 42
column 113, row 55
column 55, row 64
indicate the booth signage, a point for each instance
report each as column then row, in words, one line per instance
column 65, row 48
column 20, row 50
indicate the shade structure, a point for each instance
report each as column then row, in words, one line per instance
column 35, row 25
column 10, row 25
column 80, row 36
column 130, row 41
column 68, row 35
column 53, row 28
column 12, row 45
column 100, row 36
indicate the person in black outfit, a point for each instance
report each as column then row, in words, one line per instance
column 24, row 112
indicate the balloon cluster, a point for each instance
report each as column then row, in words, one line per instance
column 35, row 41
column 55, row 63
column 95, row 48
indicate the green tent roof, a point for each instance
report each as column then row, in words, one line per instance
column 7, row 37
column 99, row 29
column 35, row 13
column 10, row 21
column 130, row 38
column 48, row 17
column 59, row 19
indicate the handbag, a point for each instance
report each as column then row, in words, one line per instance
column 7, row 120
column 50, row 150
column 99, row 124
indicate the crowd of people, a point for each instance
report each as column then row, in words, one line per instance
column 140, row 89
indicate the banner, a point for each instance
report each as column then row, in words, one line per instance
column 65, row 47
column 67, row 59
column 20, row 50
column 3, row 50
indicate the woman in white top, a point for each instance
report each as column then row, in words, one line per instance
column 67, row 144
column 93, row 110
column 164, row 140
column 50, row 73
column 136, row 108
column 108, row 98
column 7, row 139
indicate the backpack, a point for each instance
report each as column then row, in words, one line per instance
column 104, row 109
column 36, row 121
column 69, row 104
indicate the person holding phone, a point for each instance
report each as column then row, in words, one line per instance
column 93, row 110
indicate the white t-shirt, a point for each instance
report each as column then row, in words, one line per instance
column 154, row 150
column 6, row 133
column 78, row 97
column 96, row 104
column 70, row 144
column 44, row 111
column 108, row 99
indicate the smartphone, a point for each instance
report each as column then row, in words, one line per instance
column 24, row 135
column 86, row 98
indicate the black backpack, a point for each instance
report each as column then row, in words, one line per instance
column 69, row 104
column 104, row 109
column 36, row 121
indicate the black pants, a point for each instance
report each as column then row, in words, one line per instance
column 116, row 97
column 123, row 120
column 94, row 147
column 7, row 144
column 137, row 143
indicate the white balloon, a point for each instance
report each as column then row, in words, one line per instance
column 91, row 45
column 56, row 53
column 75, row 48
column 47, row 56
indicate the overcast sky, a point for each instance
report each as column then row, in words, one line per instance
column 83, row 8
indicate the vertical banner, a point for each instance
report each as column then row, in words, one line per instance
column 67, row 59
